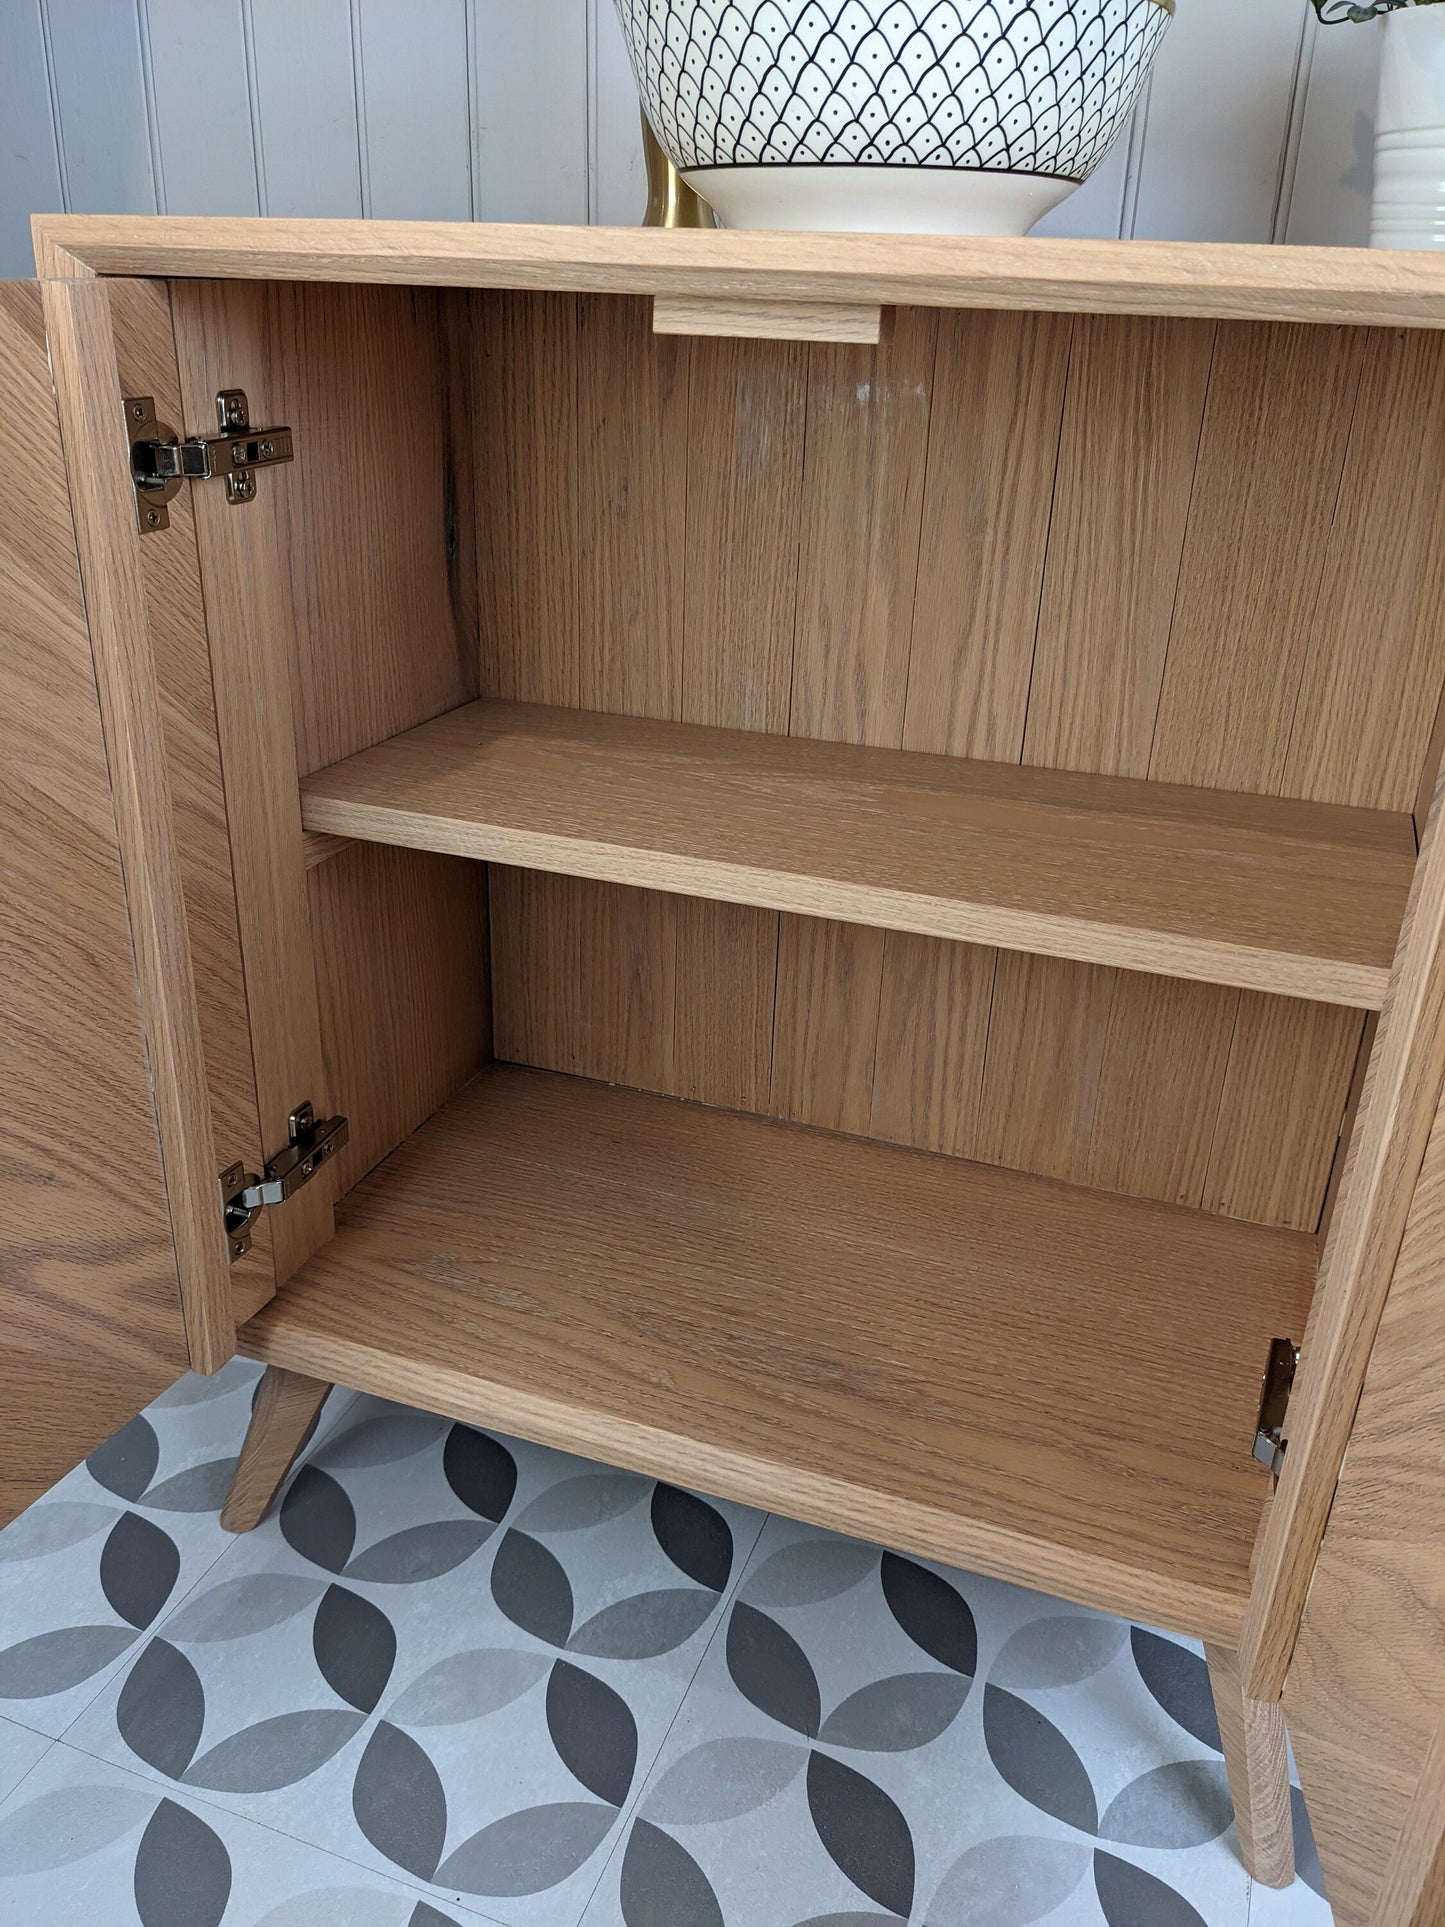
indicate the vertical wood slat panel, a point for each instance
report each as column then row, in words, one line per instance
column 306, row 111
column 632, row 451
column 1127, row 456
column 797, row 578
column 1270, row 464
column 31, row 178
column 1364, row 716
column 861, row 518
column 202, row 103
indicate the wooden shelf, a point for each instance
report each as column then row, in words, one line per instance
column 1051, row 1385
column 1301, row 899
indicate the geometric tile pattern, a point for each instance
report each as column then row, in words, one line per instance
column 1032, row 86
column 457, row 1677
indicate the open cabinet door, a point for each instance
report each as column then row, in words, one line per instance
column 1365, row 1696
column 88, row 1303
column 118, row 1077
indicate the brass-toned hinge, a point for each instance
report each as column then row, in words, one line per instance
column 1269, row 1439
column 244, row 1196
column 160, row 461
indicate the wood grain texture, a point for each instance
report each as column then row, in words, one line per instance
column 993, row 447
column 1386, row 1149
column 1271, row 455
column 1109, row 277
column 286, row 1407
column 809, row 609
column 405, row 1010
column 826, row 1326
column 87, row 1267
column 1121, row 499
column 175, row 604
column 1256, row 1757
column 1414, row 1891
column 82, row 357
column 766, row 320
column 1365, row 1691
column 1287, row 1081
column 368, row 627
column 1296, row 898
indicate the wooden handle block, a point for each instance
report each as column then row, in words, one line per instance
column 694, row 314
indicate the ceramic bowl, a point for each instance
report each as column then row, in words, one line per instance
column 963, row 117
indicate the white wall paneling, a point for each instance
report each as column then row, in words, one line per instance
column 1256, row 124
column 303, row 83
column 200, row 101
column 29, row 156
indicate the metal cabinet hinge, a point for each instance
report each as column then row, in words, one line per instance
column 1269, row 1439
column 160, row 461
column 312, row 1142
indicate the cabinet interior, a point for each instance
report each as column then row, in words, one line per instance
column 1008, row 743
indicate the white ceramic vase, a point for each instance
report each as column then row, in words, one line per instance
column 922, row 116
column 1408, row 207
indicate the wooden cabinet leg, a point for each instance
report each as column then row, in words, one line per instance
column 1256, row 1760
column 286, row 1408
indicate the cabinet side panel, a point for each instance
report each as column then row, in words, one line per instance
column 341, row 606
column 88, row 1300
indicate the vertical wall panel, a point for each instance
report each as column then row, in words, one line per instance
column 416, row 110
column 201, row 97
column 619, row 187
column 305, row 87
column 29, row 157
column 529, row 110
column 99, row 89
column 491, row 110
column 1330, row 202
column 1219, row 102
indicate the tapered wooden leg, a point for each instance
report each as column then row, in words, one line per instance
column 1257, row 1763
column 286, row 1408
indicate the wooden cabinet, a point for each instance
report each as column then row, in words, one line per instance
column 869, row 905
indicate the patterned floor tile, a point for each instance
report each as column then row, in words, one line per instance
column 877, row 1738
column 20, row 1749
column 444, row 1654
column 85, row 1571
column 82, row 1841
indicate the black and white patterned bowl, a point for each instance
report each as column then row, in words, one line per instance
column 948, row 116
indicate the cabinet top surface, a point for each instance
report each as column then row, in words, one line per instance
column 1214, row 279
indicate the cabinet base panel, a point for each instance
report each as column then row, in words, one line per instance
column 1050, row 1385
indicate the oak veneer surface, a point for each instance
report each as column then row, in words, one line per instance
column 1015, row 536
column 1256, row 891
column 1051, row 1385
column 88, row 1304
column 1139, row 277
column 335, row 622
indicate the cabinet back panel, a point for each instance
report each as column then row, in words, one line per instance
column 1185, row 550
column 349, row 587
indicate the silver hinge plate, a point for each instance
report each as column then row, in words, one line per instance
column 311, row 1142
column 160, row 460
column 1275, row 1387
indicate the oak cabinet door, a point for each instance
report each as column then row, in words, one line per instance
column 90, row 1326
column 1365, row 1695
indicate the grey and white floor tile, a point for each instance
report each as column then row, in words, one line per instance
column 457, row 1677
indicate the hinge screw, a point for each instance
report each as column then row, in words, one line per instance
column 244, row 485
column 153, row 518
column 235, row 412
